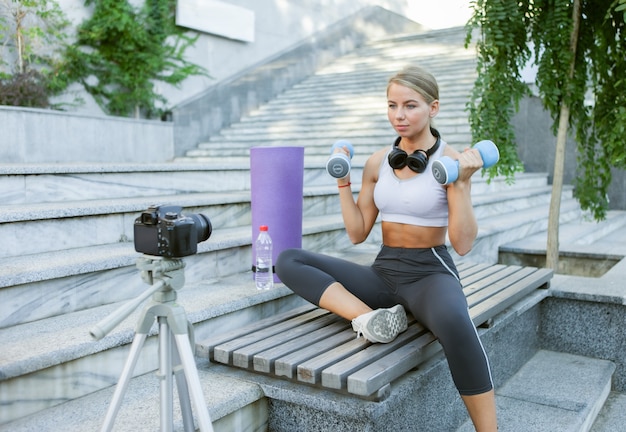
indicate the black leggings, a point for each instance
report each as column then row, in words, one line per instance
column 424, row 281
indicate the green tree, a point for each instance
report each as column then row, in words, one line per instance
column 579, row 47
column 33, row 34
column 122, row 51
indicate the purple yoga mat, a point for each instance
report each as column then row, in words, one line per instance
column 276, row 184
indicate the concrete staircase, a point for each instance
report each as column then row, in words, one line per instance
column 553, row 392
column 69, row 260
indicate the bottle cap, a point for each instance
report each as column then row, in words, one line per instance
column 263, row 228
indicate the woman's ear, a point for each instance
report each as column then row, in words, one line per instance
column 434, row 108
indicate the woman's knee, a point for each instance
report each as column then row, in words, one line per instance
column 452, row 324
column 286, row 259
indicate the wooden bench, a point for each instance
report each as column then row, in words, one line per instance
column 312, row 346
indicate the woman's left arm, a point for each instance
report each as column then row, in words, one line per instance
column 462, row 225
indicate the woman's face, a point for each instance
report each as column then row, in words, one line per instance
column 408, row 111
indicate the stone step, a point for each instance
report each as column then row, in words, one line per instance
column 578, row 236
column 298, row 127
column 515, row 225
column 613, row 415
column 375, row 66
column 371, row 112
column 233, row 405
column 342, row 103
column 366, row 120
column 322, row 133
column 553, row 392
column 364, row 143
column 586, row 247
column 348, row 92
column 367, row 90
column 512, row 199
column 32, row 185
column 29, row 184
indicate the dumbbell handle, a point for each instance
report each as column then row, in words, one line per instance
column 338, row 164
column 446, row 169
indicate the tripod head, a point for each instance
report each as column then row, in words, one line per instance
column 165, row 275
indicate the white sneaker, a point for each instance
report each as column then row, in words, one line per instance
column 381, row 325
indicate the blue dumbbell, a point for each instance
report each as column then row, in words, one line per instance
column 338, row 164
column 446, row 169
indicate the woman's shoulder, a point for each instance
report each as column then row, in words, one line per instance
column 377, row 157
column 372, row 165
column 449, row 151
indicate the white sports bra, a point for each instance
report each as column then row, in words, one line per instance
column 419, row 200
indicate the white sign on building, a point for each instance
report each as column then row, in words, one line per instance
column 216, row 17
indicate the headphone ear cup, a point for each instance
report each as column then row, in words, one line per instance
column 417, row 161
column 397, row 158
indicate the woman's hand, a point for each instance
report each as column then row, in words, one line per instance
column 470, row 161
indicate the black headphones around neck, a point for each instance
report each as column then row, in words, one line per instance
column 418, row 160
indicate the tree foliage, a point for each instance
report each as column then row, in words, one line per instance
column 513, row 33
column 122, row 51
column 33, row 35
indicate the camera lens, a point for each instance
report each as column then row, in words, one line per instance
column 203, row 226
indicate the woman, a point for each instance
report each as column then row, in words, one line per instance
column 413, row 269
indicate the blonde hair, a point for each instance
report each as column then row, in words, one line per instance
column 419, row 80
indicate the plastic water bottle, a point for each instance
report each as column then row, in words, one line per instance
column 264, row 276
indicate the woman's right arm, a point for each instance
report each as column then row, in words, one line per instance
column 359, row 217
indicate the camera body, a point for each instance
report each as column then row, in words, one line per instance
column 165, row 231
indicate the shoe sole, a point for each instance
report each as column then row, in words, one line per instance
column 386, row 325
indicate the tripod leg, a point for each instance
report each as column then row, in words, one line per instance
column 193, row 381
column 183, row 393
column 122, row 384
column 165, row 375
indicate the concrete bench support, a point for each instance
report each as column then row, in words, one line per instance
column 311, row 346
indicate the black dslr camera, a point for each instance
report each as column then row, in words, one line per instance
column 165, row 231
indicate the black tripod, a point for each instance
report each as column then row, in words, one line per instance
column 166, row 275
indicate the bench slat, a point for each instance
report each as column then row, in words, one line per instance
column 481, row 276
column 494, row 286
column 383, row 371
column 336, row 376
column 222, row 353
column 206, row 347
column 505, row 299
column 287, row 366
column 264, row 361
column 242, row 357
column 310, row 371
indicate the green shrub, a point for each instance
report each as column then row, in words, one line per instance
column 27, row 89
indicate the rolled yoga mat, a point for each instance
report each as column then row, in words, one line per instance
column 276, row 185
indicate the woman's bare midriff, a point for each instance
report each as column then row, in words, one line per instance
column 412, row 236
